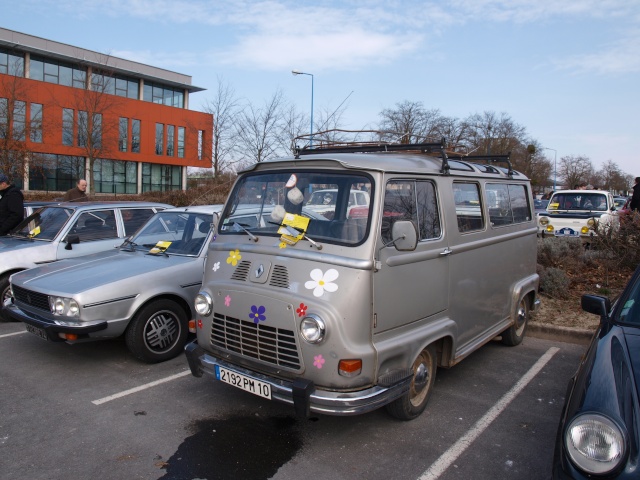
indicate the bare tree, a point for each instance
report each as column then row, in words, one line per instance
column 412, row 121
column 533, row 163
column 224, row 106
column 257, row 129
column 611, row 178
column 490, row 133
column 575, row 170
column 293, row 123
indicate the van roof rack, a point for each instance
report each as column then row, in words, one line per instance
column 487, row 158
column 325, row 145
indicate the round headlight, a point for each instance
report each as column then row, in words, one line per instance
column 595, row 443
column 203, row 303
column 544, row 221
column 591, row 222
column 58, row 306
column 584, row 230
column 550, row 228
column 312, row 329
column 74, row 309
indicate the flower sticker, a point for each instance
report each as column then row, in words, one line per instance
column 257, row 314
column 318, row 361
column 227, row 301
column 234, row 257
column 321, row 282
column 216, row 266
column 199, row 323
column 282, row 244
column 301, row 310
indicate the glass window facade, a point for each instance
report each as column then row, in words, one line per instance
column 67, row 126
column 159, row 138
column 181, row 142
column 96, row 130
column 156, row 93
column 60, row 73
column 170, row 140
column 135, row 135
column 19, row 126
column 11, row 64
column 55, row 172
column 35, row 130
column 156, row 177
column 83, row 128
column 115, row 176
column 4, row 117
column 123, row 134
column 200, row 143
column 114, row 85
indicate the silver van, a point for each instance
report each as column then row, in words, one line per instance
column 344, row 314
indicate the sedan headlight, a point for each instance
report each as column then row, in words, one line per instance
column 544, row 221
column 203, row 303
column 312, row 329
column 595, row 443
column 64, row 306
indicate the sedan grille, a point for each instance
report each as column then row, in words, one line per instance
column 36, row 300
column 275, row 346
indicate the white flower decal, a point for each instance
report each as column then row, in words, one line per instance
column 321, row 282
column 216, row 266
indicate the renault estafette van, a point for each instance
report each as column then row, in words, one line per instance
column 342, row 316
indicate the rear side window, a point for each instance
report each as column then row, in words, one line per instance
column 507, row 204
column 134, row 218
column 99, row 225
column 468, row 206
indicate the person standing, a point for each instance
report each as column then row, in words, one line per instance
column 77, row 194
column 11, row 205
column 635, row 199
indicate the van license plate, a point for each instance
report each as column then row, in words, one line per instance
column 567, row 232
column 243, row 382
column 37, row 331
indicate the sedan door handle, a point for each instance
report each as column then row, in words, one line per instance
column 446, row 252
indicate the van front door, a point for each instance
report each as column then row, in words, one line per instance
column 411, row 286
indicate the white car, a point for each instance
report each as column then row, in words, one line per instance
column 324, row 202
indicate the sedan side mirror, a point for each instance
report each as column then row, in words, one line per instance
column 71, row 240
column 596, row 304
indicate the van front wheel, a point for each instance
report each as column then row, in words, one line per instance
column 413, row 403
column 515, row 333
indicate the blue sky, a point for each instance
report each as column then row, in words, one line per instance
column 567, row 70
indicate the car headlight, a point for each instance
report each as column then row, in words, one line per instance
column 312, row 329
column 544, row 221
column 595, row 443
column 591, row 223
column 64, row 306
column 203, row 303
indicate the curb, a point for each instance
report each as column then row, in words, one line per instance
column 561, row 334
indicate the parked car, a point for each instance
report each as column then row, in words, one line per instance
column 143, row 290
column 619, row 201
column 66, row 230
column 599, row 430
column 540, row 205
column 577, row 213
column 323, row 202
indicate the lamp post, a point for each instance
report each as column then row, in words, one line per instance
column 555, row 155
column 296, row 72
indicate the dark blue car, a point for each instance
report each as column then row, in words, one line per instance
column 599, row 432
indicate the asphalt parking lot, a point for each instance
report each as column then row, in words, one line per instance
column 93, row 411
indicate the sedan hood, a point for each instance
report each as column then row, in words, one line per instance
column 97, row 270
column 14, row 243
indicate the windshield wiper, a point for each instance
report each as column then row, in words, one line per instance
column 295, row 231
column 239, row 227
column 129, row 245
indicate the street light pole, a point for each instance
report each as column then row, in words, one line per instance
column 296, row 72
column 555, row 156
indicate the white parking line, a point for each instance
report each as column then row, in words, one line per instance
column 140, row 388
column 12, row 334
column 448, row 457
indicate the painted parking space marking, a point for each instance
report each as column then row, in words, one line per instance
column 140, row 388
column 12, row 334
column 448, row 457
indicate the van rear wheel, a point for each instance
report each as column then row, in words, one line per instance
column 515, row 333
column 412, row 403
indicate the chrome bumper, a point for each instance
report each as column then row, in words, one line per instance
column 302, row 394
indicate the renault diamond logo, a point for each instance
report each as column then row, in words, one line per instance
column 259, row 271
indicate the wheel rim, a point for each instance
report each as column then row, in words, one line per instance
column 161, row 331
column 521, row 317
column 6, row 295
column 422, row 369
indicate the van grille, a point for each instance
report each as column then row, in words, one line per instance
column 33, row 299
column 242, row 271
column 275, row 346
column 279, row 277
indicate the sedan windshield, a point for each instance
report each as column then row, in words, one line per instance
column 578, row 201
column 45, row 224
column 327, row 206
column 175, row 233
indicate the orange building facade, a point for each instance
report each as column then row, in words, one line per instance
column 72, row 113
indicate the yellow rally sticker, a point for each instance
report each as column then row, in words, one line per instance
column 34, row 232
column 160, row 247
column 298, row 222
column 553, row 206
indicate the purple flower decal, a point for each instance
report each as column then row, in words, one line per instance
column 257, row 314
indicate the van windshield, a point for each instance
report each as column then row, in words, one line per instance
column 336, row 204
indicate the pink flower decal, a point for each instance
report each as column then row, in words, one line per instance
column 227, row 301
column 301, row 310
column 318, row 361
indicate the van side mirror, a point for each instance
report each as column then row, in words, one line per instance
column 71, row 240
column 405, row 236
column 596, row 304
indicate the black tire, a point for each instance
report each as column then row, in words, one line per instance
column 158, row 332
column 513, row 335
column 412, row 403
column 5, row 294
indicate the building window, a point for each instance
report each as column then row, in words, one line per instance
column 83, row 128
column 123, row 134
column 135, row 136
column 96, row 130
column 114, row 176
column 55, row 172
column 164, row 95
column 170, row 134
column 114, row 85
column 35, row 131
column 19, row 120
column 156, row 177
column 180, row 142
column 11, row 64
column 200, row 143
column 67, row 126
column 50, row 71
column 4, row 118
column 159, row 138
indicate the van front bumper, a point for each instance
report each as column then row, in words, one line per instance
column 300, row 393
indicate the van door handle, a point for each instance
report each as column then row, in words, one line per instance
column 446, row 252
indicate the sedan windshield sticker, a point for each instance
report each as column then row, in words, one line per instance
column 34, row 232
column 257, row 314
column 160, row 247
column 234, row 257
column 322, row 281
